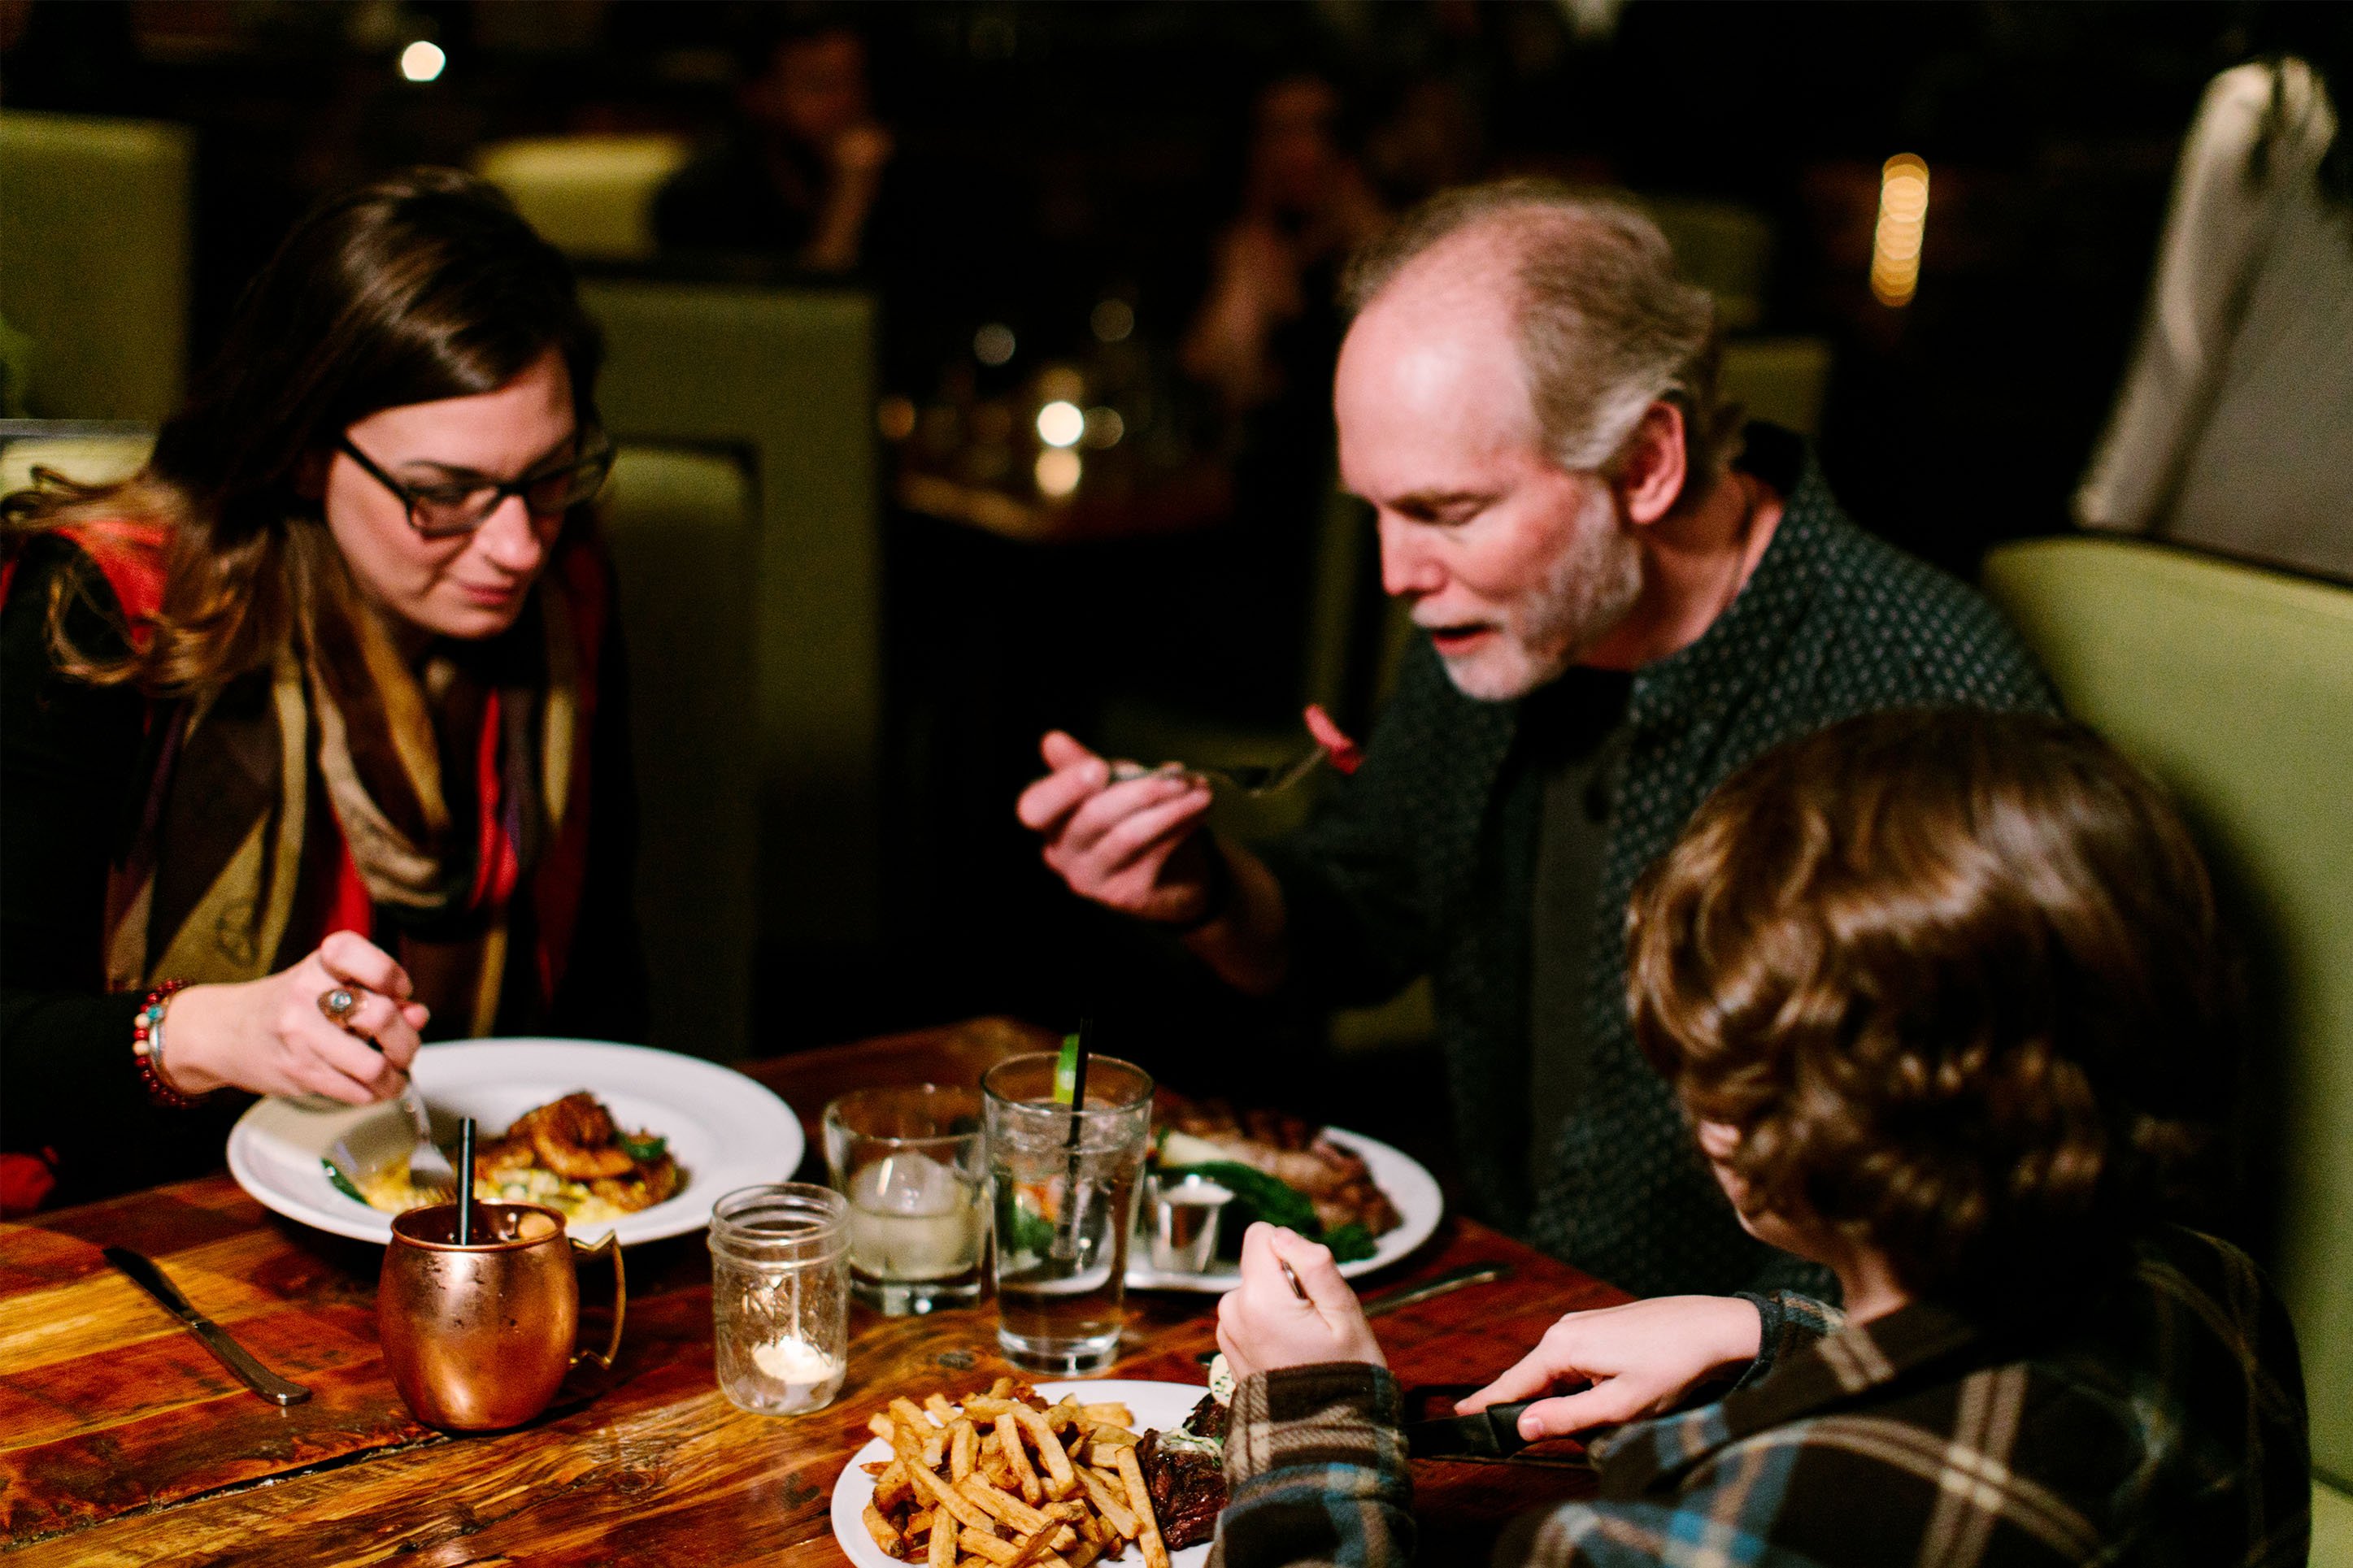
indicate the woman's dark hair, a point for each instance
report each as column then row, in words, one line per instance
column 422, row 286
column 1955, row 978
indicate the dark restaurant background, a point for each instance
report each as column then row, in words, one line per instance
column 1049, row 159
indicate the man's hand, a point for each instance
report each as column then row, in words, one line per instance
column 1641, row 1359
column 1263, row 1324
column 1133, row 846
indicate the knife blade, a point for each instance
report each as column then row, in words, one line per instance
column 1454, row 1280
column 143, row 1273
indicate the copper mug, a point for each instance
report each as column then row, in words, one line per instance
column 478, row 1337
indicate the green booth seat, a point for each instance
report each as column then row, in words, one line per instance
column 2233, row 685
column 786, row 378
column 94, row 261
column 590, row 196
column 683, row 527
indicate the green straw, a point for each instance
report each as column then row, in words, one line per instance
column 1071, row 1090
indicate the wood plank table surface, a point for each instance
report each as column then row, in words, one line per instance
column 123, row 1442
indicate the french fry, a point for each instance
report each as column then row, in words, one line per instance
column 1061, row 1482
column 1033, row 1548
column 1008, row 1481
column 1001, row 1504
column 941, row 1495
column 964, row 1449
column 1139, row 1497
column 1111, row 1504
column 888, row 1538
column 1008, row 1441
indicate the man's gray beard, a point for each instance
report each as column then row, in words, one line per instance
column 1586, row 592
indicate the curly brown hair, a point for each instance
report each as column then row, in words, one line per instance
column 1955, row 979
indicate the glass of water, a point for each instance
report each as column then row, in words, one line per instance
column 909, row 1160
column 1065, row 1184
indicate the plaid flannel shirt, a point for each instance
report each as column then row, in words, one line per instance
column 2166, row 1426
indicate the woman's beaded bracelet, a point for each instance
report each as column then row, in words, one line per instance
column 147, row 1049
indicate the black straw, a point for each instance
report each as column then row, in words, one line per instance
column 465, row 1182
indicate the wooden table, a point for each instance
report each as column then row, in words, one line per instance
column 122, row 1442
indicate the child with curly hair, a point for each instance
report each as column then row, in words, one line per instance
column 1941, row 994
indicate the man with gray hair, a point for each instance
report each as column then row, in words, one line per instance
column 1622, row 598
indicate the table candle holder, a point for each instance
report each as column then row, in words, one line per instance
column 780, row 1297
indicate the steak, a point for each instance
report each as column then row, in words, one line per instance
column 1188, row 1485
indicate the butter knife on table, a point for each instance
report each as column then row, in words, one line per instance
column 232, row 1355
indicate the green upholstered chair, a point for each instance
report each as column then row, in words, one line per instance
column 1725, row 248
column 93, row 452
column 786, row 378
column 589, row 197
column 2233, row 685
column 683, row 527
column 1782, row 380
column 94, row 261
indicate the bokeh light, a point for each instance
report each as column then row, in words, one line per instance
column 1104, row 428
column 1057, row 471
column 1061, row 424
column 1112, row 321
column 422, row 61
column 1903, row 227
column 993, row 344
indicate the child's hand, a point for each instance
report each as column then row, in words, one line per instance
column 1262, row 1323
column 1641, row 1358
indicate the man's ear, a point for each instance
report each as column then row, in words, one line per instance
column 1650, row 473
column 310, row 474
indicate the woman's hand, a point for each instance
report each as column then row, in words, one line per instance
column 1263, row 1324
column 268, row 1035
column 1641, row 1358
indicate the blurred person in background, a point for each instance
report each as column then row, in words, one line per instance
column 2235, row 424
column 1621, row 596
column 315, row 741
column 1269, row 326
column 1944, row 998
column 801, row 170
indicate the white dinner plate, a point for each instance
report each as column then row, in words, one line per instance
column 1408, row 1183
column 1154, row 1405
column 725, row 1129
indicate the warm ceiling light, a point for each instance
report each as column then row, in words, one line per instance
column 1061, row 424
column 1903, row 227
column 422, row 61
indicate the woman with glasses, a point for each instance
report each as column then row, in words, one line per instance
column 313, row 729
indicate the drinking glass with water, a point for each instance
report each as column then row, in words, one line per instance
column 909, row 1159
column 1065, row 1180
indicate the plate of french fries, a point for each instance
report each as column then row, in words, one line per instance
column 1011, row 1476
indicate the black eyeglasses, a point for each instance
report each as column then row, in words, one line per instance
column 443, row 512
